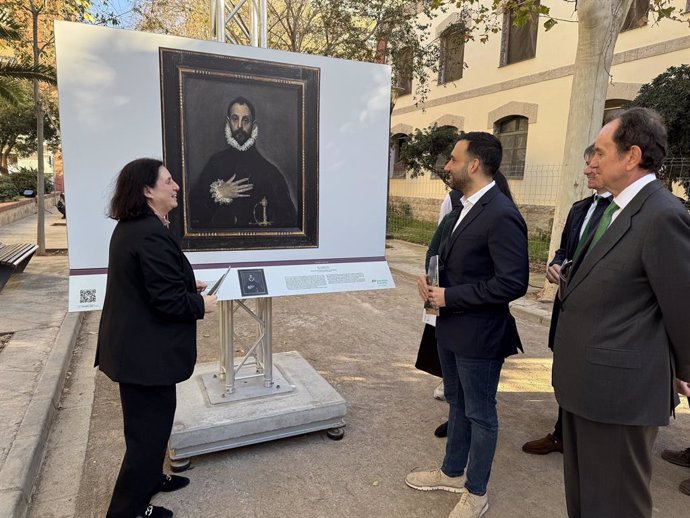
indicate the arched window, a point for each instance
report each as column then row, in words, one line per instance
column 612, row 109
column 398, row 169
column 452, row 52
column 512, row 132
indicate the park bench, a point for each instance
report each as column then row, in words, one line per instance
column 14, row 258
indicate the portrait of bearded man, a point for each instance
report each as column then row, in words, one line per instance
column 238, row 187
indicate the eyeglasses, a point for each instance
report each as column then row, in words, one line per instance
column 563, row 277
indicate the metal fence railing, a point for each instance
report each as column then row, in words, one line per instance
column 414, row 203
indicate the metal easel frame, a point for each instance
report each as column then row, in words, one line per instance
column 223, row 14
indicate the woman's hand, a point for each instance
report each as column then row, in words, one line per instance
column 201, row 286
column 210, row 303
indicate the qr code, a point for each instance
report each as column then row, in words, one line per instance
column 87, row 296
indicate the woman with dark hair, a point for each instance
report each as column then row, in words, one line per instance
column 147, row 334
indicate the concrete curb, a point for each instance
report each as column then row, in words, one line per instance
column 24, row 459
column 532, row 314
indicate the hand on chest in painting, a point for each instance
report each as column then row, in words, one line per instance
column 225, row 192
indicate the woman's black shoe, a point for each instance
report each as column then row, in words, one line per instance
column 442, row 430
column 173, row 483
column 154, row 511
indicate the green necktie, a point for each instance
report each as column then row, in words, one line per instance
column 604, row 223
column 588, row 229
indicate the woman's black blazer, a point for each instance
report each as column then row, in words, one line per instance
column 147, row 334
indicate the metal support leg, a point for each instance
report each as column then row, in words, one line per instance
column 223, row 345
column 268, row 342
column 229, row 316
column 261, row 350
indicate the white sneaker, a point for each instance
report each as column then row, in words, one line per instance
column 470, row 506
column 438, row 392
column 435, row 479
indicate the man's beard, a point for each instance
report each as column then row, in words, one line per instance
column 460, row 182
column 248, row 140
column 240, row 136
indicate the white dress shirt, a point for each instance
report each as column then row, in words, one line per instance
column 627, row 194
column 468, row 203
column 446, row 207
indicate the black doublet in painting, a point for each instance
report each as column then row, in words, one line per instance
column 208, row 214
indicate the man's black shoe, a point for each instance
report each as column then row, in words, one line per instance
column 154, row 511
column 442, row 430
column 680, row 458
column 173, row 483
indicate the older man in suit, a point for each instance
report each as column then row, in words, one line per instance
column 483, row 266
column 623, row 330
column 582, row 219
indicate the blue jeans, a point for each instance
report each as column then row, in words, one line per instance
column 470, row 387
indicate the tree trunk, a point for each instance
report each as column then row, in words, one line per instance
column 5, row 160
column 599, row 23
column 40, row 180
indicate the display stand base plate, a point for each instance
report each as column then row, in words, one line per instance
column 201, row 427
column 248, row 388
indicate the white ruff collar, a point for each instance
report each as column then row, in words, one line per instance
column 233, row 143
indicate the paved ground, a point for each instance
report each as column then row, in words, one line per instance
column 33, row 313
column 364, row 344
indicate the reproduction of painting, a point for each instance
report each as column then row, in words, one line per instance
column 240, row 137
column 252, row 282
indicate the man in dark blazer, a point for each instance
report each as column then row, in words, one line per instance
column 622, row 334
column 483, row 266
column 584, row 216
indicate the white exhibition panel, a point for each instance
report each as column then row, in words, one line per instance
column 110, row 113
column 86, row 292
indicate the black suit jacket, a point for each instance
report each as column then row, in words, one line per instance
column 147, row 333
column 570, row 237
column 484, row 266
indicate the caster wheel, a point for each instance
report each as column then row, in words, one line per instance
column 178, row 466
column 335, row 434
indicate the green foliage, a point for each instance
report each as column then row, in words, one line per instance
column 484, row 18
column 12, row 70
column 402, row 210
column 669, row 94
column 26, row 178
column 402, row 225
column 9, row 28
column 8, row 191
column 18, row 126
column 427, row 148
column 538, row 249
